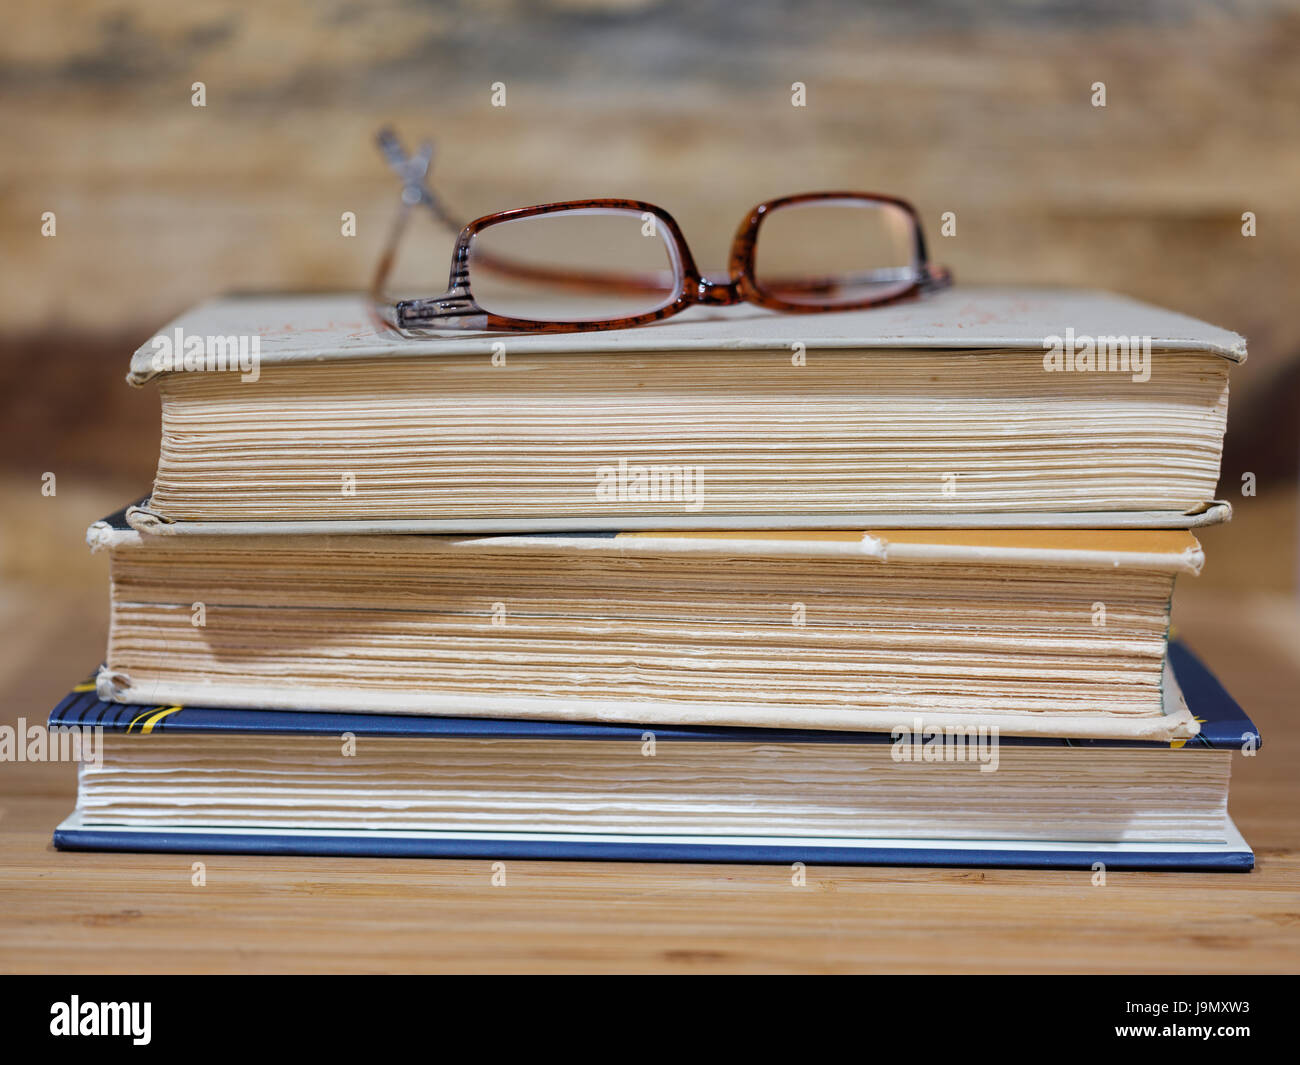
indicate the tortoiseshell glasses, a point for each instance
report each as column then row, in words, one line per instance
column 612, row 264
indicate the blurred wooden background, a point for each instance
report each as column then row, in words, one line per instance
column 981, row 109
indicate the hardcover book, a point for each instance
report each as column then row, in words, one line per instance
column 1033, row 631
column 181, row 778
column 976, row 407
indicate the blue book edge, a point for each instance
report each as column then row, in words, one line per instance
column 1232, row 856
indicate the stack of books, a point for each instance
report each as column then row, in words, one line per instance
column 879, row 586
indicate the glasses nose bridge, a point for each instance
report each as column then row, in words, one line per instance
column 719, row 292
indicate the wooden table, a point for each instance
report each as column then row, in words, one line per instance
column 120, row 913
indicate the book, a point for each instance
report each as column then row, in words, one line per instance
column 1056, row 632
column 976, row 407
column 182, row 778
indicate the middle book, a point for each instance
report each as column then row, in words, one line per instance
column 1039, row 632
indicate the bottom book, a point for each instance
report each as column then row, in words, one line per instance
column 191, row 780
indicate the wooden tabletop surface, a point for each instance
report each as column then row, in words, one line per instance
column 123, row 913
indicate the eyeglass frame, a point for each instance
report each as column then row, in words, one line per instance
column 457, row 308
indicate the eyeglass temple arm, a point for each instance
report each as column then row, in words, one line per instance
column 928, row 275
column 413, row 170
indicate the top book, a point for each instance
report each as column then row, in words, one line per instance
column 976, row 407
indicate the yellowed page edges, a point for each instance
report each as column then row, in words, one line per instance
column 1176, row 723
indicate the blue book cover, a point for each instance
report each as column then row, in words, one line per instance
column 1224, row 726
